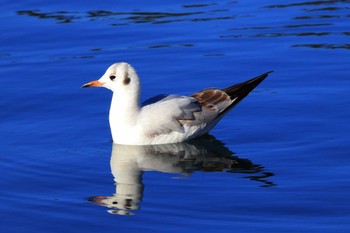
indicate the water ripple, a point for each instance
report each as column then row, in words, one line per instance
column 129, row 17
column 324, row 46
column 59, row 16
column 311, row 3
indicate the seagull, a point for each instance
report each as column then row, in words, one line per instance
column 164, row 119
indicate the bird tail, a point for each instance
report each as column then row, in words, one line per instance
column 239, row 91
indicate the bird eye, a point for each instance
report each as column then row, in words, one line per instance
column 112, row 77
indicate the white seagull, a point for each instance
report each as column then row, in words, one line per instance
column 169, row 119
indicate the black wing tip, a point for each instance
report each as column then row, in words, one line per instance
column 257, row 80
column 243, row 89
column 267, row 73
column 263, row 76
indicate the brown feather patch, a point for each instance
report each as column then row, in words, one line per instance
column 210, row 97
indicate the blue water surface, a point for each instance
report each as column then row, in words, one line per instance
column 279, row 162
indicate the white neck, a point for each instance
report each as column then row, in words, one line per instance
column 125, row 108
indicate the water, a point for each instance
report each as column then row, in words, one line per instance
column 290, row 167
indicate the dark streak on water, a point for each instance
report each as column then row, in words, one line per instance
column 326, row 46
column 309, row 3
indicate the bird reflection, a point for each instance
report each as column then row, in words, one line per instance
column 203, row 154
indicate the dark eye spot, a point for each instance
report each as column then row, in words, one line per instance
column 126, row 81
column 112, row 77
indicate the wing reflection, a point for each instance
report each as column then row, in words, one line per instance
column 204, row 154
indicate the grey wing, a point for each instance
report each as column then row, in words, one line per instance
column 167, row 114
column 173, row 112
column 203, row 109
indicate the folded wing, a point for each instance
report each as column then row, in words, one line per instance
column 201, row 111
